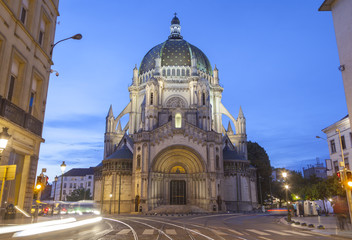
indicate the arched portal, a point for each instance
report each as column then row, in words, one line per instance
column 177, row 177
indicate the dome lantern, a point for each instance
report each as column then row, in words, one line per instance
column 175, row 28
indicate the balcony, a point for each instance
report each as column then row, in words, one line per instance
column 18, row 116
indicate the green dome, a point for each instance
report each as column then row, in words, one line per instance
column 175, row 52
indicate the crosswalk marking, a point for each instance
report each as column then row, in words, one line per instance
column 148, row 231
column 277, row 232
column 219, row 233
column 298, row 233
column 258, row 232
column 264, row 238
column 124, row 231
column 234, row 231
column 170, row 231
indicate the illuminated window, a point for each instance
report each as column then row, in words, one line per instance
column 178, row 120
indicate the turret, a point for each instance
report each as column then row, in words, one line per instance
column 216, row 75
column 135, row 75
column 109, row 121
column 241, row 122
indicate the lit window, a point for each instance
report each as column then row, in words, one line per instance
column 178, row 120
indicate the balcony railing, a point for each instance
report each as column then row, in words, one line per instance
column 18, row 116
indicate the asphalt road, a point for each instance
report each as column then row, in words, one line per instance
column 196, row 227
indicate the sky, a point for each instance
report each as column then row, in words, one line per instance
column 277, row 59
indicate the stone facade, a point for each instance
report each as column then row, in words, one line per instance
column 174, row 150
column 27, row 30
column 333, row 164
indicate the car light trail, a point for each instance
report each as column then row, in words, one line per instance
column 17, row 228
column 56, row 227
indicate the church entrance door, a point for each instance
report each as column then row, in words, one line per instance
column 178, row 192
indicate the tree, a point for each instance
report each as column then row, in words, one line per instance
column 260, row 159
column 79, row 194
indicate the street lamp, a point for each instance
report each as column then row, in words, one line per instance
column 4, row 138
column 110, row 203
column 78, row 36
column 63, row 167
column 284, row 174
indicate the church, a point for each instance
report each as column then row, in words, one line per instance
column 174, row 152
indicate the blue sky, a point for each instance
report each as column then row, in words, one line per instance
column 277, row 59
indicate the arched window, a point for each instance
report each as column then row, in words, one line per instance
column 217, row 162
column 173, row 72
column 178, row 72
column 183, row 72
column 203, row 98
column 164, row 72
column 168, row 72
column 139, row 161
column 178, row 120
column 151, row 98
column 187, row 72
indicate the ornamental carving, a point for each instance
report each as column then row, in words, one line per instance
column 175, row 102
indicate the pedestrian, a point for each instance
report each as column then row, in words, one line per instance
column 301, row 210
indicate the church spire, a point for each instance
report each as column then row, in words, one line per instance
column 175, row 28
column 240, row 114
column 110, row 113
column 229, row 128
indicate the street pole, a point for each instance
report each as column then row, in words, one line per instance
column 288, row 212
column 118, row 211
column 260, row 190
column 343, row 179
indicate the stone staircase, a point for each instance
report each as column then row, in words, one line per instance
column 177, row 209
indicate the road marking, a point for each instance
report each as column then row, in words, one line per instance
column 277, row 232
column 170, row 231
column 218, row 232
column 258, row 232
column 133, row 231
column 298, row 233
column 148, row 231
column 195, row 231
column 235, row 232
column 264, row 238
column 124, row 231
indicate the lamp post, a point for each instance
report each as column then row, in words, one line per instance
column 77, row 36
column 344, row 177
column 110, row 203
column 63, row 167
column 284, row 175
column 52, row 208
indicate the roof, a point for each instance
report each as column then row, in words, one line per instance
column 80, row 172
column 229, row 154
column 335, row 124
column 121, row 153
column 326, row 6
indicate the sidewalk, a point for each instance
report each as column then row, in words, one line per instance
column 328, row 222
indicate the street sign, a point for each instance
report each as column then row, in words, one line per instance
column 8, row 172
